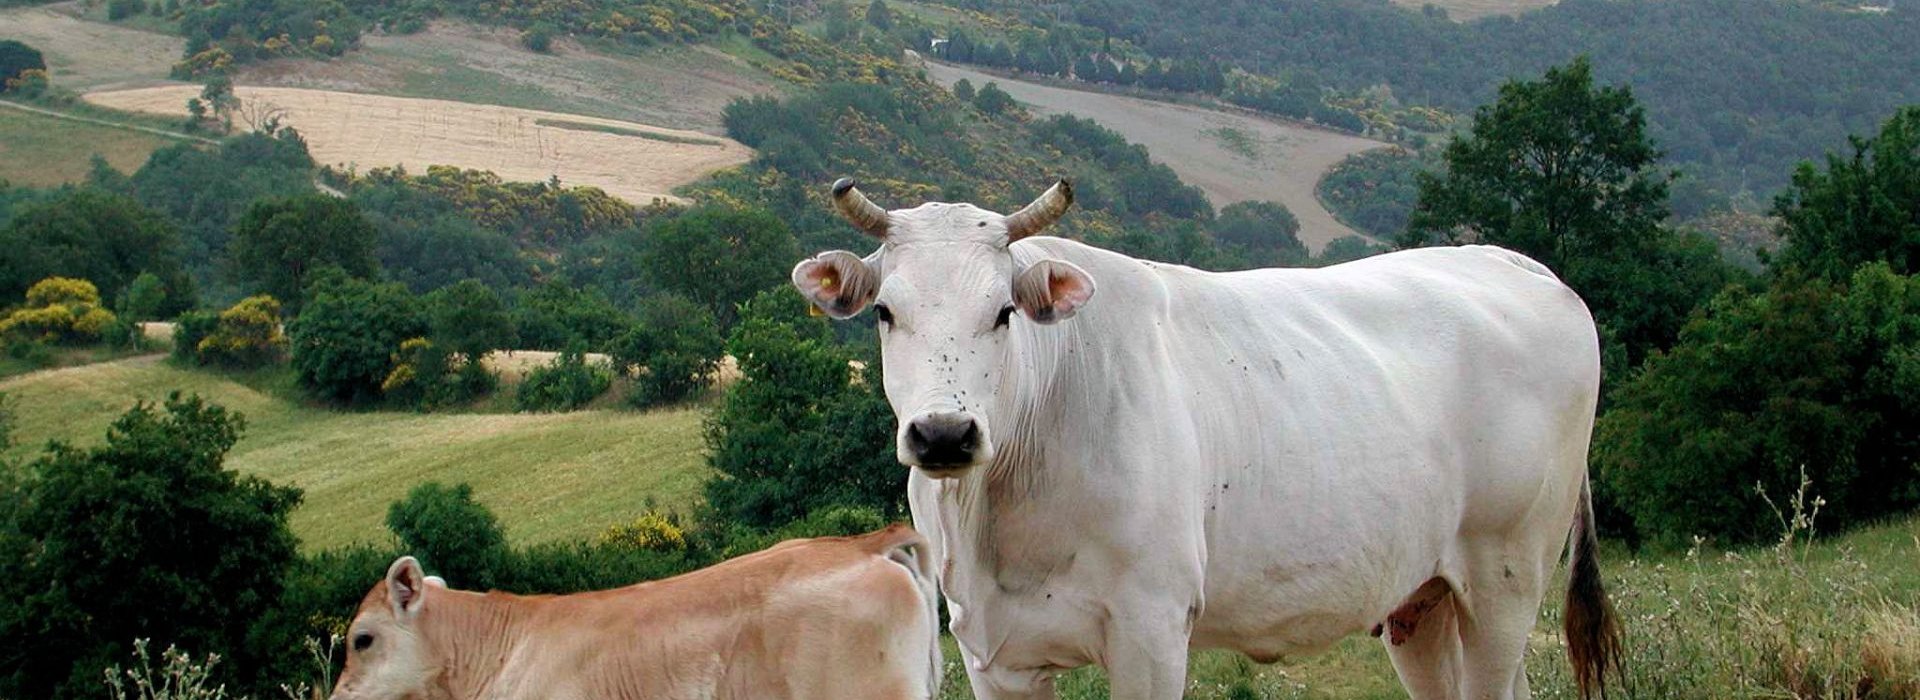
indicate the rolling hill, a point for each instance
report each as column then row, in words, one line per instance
column 547, row 476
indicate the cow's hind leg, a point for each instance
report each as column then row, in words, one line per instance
column 1502, row 603
column 1423, row 640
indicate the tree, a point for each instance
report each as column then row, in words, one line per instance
column 719, row 256
column 1860, row 209
column 800, row 431
column 994, row 101
column 1555, row 168
column 559, row 316
column 1807, row 377
column 468, row 318
column 452, row 535
column 1265, row 229
column 879, row 15
column 143, row 299
column 17, row 58
column 963, row 90
column 145, row 536
column 672, row 352
column 279, row 243
column 103, row 237
column 1562, row 171
column 343, row 341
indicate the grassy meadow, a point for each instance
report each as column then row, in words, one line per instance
column 37, row 150
column 547, row 476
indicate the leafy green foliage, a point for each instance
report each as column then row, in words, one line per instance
column 204, row 191
column 106, row 238
column 188, row 330
column 565, row 384
column 800, row 431
column 58, row 310
column 719, row 256
column 1808, row 375
column 279, row 244
column 1265, row 231
column 452, row 535
column 1738, row 122
column 1561, row 170
column 469, row 318
column 17, row 58
column 1374, row 191
column 144, row 298
column 559, row 316
column 145, row 536
column 1860, row 209
column 343, row 341
column 993, row 101
column 672, row 352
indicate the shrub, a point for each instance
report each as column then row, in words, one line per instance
column 59, row 309
column 652, row 531
column 121, row 9
column 426, row 376
column 1704, row 430
column 565, row 384
column 145, row 536
column 144, row 298
column 188, row 330
column 246, row 335
column 452, row 535
column 17, row 58
column 538, row 39
column 672, row 352
column 343, row 341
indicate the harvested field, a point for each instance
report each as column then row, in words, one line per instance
column 87, row 55
column 680, row 87
column 1232, row 157
column 1466, row 10
column 368, row 131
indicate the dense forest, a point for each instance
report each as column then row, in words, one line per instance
column 1737, row 91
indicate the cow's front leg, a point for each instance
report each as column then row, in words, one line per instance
column 1146, row 655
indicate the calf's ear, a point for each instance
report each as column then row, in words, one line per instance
column 837, row 283
column 1051, row 290
column 406, row 587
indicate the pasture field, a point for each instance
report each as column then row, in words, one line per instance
column 547, row 476
column 1258, row 159
column 679, row 87
column 368, row 131
column 87, row 55
column 39, row 150
column 1835, row 618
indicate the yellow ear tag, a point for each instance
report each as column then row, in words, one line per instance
column 813, row 310
column 828, row 282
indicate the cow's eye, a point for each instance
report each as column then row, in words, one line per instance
column 885, row 314
column 361, row 641
column 1006, row 316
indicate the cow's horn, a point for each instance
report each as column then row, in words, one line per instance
column 862, row 212
column 1036, row 217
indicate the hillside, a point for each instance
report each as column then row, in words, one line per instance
column 87, row 55
column 1230, row 156
column 547, row 476
column 633, row 161
column 37, row 150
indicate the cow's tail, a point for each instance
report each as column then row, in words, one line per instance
column 1592, row 627
column 907, row 548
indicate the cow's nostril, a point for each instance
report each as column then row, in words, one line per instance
column 972, row 435
column 914, row 436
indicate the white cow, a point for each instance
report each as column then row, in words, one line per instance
column 1265, row 461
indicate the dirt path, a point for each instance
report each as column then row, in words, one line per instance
column 1231, row 157
column 633, row 161
column 103, row 122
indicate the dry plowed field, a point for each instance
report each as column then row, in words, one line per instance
column 635, row 162
column 84, row 55
column 1263, row 159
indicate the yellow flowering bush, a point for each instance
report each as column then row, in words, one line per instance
column 59, row 309
column 651, row 531
column 248, row 334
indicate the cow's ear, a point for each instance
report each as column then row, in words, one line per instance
column 1051, row 290
column 406, row 587
column 837, row 282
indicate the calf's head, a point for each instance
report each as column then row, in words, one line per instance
column 948, row 295
column 388, row 655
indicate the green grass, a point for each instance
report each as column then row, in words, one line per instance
column 1239, row 141
column 623, row 131
column 547, row 476
column 1821, row 621
column 40, row 151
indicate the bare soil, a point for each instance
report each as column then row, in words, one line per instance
column 1232, row 157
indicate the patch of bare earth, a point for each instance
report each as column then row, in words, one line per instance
column 86, row 55
column 682, row 87
column 367, row 131
column 1264, row 159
